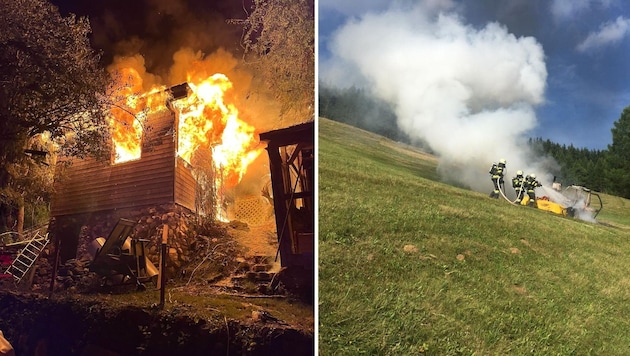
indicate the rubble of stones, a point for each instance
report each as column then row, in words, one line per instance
column 199, row 251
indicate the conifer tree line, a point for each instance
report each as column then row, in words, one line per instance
column 357, row 108
column 606, row 171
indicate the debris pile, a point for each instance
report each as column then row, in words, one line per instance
column 197, row 248
column 73, row 275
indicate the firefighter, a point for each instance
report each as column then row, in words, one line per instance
column 530, row 185
column 518, row 183
column 496, row 173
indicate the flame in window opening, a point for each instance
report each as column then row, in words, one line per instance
column 128, row 114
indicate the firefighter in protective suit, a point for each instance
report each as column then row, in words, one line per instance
column 530, row 185
column 496, row 173
column 518, row 183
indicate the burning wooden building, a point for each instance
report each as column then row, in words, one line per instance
column 150, row 176
column 142, row 172
column 151, row 173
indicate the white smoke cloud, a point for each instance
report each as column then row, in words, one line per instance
column 609, row 33
column 470, row 93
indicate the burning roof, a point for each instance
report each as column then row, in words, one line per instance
column 206, row 119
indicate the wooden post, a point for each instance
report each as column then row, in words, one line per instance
column 162, row 279
column 55, row 262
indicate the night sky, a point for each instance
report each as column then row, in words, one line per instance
column 164, row 39
column 157, row 28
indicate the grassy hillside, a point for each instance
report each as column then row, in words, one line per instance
column 410, row 265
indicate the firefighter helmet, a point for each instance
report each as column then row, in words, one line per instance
column 502, row 160
column 519, row 173
column 533, row 176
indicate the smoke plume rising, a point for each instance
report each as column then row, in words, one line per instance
column 168, row 42
column 470, row 93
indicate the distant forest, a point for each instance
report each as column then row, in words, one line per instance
column 606, row 171
column 359, row 109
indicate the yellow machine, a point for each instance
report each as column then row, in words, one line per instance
column 577, row 199
column 551, row 206
column 547, row 205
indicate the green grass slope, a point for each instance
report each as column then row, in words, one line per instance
column 409, row 265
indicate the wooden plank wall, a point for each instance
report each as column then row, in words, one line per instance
column 89, row 186
column 185, row 185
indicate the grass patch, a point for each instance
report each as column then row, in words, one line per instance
column 410, row 265
column 202, row 303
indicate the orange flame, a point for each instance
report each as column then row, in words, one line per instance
column 125, row 129
column 128, row 115
column 205, row 120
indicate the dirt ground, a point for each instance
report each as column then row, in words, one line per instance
column 258, row 240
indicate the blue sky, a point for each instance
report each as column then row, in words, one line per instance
column 578, row 50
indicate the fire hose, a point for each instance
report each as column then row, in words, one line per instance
column 503, row 194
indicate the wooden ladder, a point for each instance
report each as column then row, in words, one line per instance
column 27, row 257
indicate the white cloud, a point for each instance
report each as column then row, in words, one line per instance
column 566, row 9
column 569, row 10
column 609, row 33
column 469, row 93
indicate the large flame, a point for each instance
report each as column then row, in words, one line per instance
column 206, row 120
column 128, row 114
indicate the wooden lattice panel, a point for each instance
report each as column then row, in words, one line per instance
column 254, row 210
